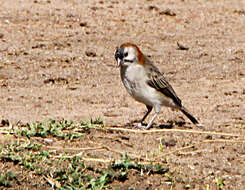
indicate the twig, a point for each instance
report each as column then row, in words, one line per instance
column 74, row 149
column 205, row 141
column 97, row 160
column 224, row 140
column 174, row 151
column 172, row 130
column 92, row 148
column 193, row 152
column 108, row 160
column 6, row 132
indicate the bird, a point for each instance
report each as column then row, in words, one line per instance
column 146, row 84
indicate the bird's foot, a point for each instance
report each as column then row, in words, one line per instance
column 143, row 126
column 148, row 126
column 140, row 126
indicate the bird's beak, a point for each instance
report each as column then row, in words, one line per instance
column 118, row 62
column 119, row 56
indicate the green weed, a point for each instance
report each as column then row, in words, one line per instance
column 220, row 182
column 7, row 178
column 50, row 128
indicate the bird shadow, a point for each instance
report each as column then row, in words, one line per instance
column 165, row 126
column 168, row 125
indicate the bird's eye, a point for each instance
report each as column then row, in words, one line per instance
column 126, row 54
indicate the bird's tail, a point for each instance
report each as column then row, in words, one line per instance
column 185, row 111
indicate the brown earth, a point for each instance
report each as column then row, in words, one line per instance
column 57, row 61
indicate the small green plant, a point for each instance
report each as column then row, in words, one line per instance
column 76, row 175
column 26, row 155
column 60, row 129
column 7, row 178
column 207, row 187
column 93, row 124
column 170, row 180
column 97, row 121
column 187, row 186
column 66, row 171
column 160, row 147
column 220, row 182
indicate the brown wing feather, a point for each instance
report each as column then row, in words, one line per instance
column 157, row 81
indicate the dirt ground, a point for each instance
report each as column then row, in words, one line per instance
column 57, row 61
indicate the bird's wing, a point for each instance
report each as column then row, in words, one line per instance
column 157, row 80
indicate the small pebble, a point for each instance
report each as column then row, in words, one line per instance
column 90, row 53
column 167, row 12
column 83, row 24
column 243, row 92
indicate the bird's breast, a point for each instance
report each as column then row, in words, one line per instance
column 132, row 77
column 134, row 80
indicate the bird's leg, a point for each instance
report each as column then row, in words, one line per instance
column 149, row 109
column 157, row 111
column 150, row 123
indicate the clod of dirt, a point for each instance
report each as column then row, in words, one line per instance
column 123, row 137
column 237, row 118
column 243, row 92
column 4, row 84
column 56, row 80
column 170, row 142
column 90, row 53
column 209, row 137
column 221, row 108
column 72, row 88
column 241, row 74
column 222, row 137
column 167, row 12
column 96, row 8
column 230, row 93
column 153, row 7
column 46, row 81
column 240, row 12
column 9, row 99
column 38, row 46
column 1, row 35
column 5, row 122
column 36, row 1
column 83, row 24
column 182, row 47
column 69, row 15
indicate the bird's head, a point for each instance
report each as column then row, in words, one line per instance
column 127, row 54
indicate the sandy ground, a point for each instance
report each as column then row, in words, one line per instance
column 57, row 61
